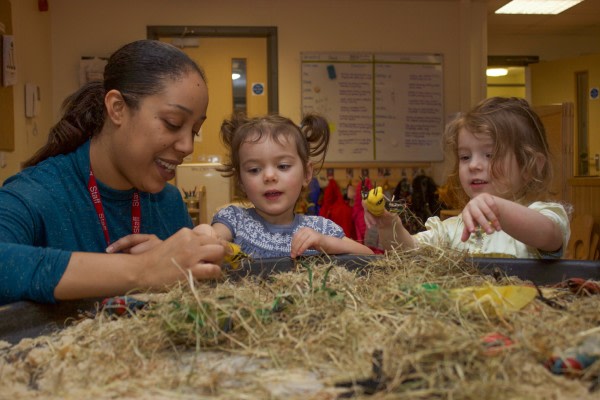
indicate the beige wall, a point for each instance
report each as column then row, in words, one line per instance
column 50, row 44
column 554, row 82
column 455, row 29
column 350, row 25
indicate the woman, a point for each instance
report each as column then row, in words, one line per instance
column 103, row 176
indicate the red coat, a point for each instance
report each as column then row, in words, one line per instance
column 358, row 212
column 335, row 208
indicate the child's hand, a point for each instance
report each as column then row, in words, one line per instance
column 307, row 238
column 384, row 220
column 482, row 211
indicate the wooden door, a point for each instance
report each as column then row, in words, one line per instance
column 215, row 56
column 558, row 122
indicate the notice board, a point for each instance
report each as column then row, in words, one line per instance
column 381, row 107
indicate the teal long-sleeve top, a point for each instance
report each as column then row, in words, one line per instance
column 46, row 214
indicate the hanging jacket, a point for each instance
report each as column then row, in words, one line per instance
column 336, row 209
column 358, row 212
column 314, row 192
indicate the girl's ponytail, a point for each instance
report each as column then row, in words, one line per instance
column 316, row 130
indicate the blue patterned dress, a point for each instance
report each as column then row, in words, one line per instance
column 261, row 239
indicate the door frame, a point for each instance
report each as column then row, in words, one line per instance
column 269, row 32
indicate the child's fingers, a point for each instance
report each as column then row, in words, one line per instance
column 480, row 213
column 303, row 240
column 488, row 221
column 297, row 243
column 468, row 220
column 465, row 234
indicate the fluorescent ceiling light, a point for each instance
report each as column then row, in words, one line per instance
column 235, row 76
column 496, row 72
column 537, row 6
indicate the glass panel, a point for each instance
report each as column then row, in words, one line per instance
column 238, row 79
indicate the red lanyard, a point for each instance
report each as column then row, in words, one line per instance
column 136, row 211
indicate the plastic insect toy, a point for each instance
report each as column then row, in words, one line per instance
column 580, row 286
column 572, row 365
column 376, row 201
column 573, row 361
column 122, row 305
column 236, row 256
column 494, row 343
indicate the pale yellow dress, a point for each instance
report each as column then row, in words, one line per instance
column 447, row 233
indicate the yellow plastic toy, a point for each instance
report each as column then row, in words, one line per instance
column 497, row 300
column 376, row 201
column 236, row 256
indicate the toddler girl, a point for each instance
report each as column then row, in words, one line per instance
column 502, row 173
column 269, row 158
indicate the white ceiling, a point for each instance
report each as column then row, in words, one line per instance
column 582, row 19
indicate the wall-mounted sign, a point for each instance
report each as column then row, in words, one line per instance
column 380, row 107
column 258, row 89
column 594, row 93
column 9, row 68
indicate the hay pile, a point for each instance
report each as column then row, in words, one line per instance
column 321, row 332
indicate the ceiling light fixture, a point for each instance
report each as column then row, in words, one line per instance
column 537, row 6
column 496, row 72
column 235, row 76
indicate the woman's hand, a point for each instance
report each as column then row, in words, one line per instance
column 134, row 244
column 205, row 229
column 186, row 252
column 139, row 243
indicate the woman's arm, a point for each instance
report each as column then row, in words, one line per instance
column 175, row 259
column 222, row 231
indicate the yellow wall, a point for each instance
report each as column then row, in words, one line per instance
column 510, row 85
column 49, row 44
column 554, row 82
column 33, row 53
column 7, row 119
column 220, row 51
column 456, row 29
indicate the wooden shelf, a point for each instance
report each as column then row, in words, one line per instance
column 197, row 210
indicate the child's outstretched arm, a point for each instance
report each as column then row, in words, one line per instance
column 392, row 233
column 528, row 226
column 307, row 238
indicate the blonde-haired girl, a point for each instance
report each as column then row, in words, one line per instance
column 502, row 174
